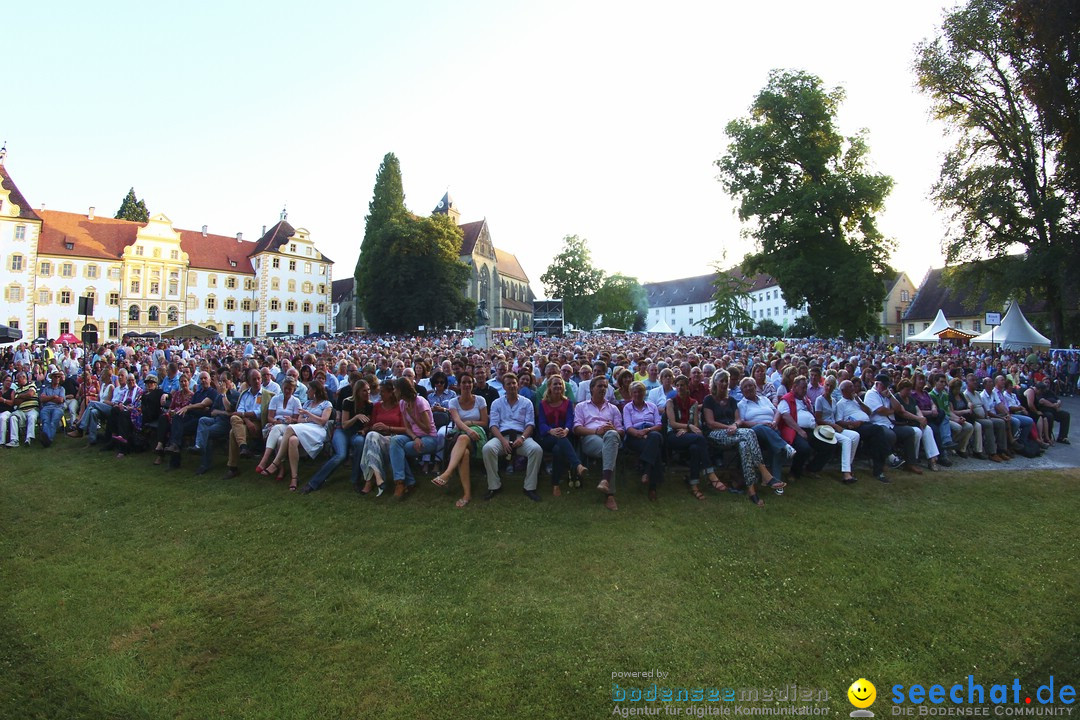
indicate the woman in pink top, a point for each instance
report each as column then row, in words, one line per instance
column 421, row 436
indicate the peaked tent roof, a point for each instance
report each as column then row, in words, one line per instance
column 1014, row 332
column 188, row 330
column 661, row 326
column 930, row 334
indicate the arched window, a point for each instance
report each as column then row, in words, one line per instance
column 152, row 316
column 174, row 314
column 133, row 313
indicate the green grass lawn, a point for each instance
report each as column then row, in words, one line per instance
column 133, row 593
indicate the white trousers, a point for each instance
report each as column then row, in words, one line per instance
column 849, row 443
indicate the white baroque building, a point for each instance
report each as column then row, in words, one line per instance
column 152, row 277
column 684, row 303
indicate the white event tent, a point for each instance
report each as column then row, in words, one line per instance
column 1014, row 332
column 661, row 326
column 930, row 334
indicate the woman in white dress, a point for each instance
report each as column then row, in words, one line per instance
column 307, row 430
column 283, row 408
column 469, row 416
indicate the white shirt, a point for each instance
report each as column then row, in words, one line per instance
column 875, row 400
column 803, row 417
column 850, row 410
column 760, row 410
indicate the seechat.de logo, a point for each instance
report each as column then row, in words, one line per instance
column 862, row 694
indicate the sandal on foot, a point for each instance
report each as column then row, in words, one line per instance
column 266, row 470
column 439, row 480
column 556, row 491
column 776, row 484
column 292, row 485
column 367, row 488
column 718, row 485
column 462, row 502
column 696, row 492
column 756, row 500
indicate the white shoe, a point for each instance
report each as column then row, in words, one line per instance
column 790, row 451
column 13, row 444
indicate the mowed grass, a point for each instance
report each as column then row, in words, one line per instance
column 133, row 593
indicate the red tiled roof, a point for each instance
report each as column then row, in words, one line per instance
column 472, row 234
column 217, row 252
column 507, row 264
column 275, row 237
column 25, row 211
column 102, row 237
column 106, row 238
column 518, row 305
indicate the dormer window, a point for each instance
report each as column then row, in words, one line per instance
column 69, row 245
column 232, row 263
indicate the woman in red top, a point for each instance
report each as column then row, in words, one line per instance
column 685, row 434
column 386, row 421
column 179, row 399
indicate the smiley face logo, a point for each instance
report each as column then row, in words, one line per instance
column 862, row 693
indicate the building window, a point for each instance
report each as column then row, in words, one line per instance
column 91, row 272
column 290, row 328
column 276, row 263
column 114, row 299
column 13, row 293
column 45, row 268
column 134, row 287
column 155, row 288
column 174, row 287
column 44, row 297
column 211, row 281
column 67, row 270
column 230, row 282
column 153, row 315
column 245, row 305
column 292, row 286
column 13, row 323
column 43, row 328
column 292, row 266
column 292, row 247
column 309, row 255
column 322, row 289
column 174, row 314
column 275, row 284
column 65, row 327
column 230, row 304
column 273, row 327
column 139, row 250
column 307, row 287
column 114, row 273
column 290, row 306
column 321, row 309
column 307, row 308
column 192, row 278
column 959, row 326
column 275, row 305
column 65, row 297
column 192, row 302
column 114, row 328
column 903, row 296
column 925, row 325
column 249, row 284
column 174, row 254
column 20, row 232
column 976, row 325
column 133, row 313
column 211, row 303
column 247, row 329
column 911, row 329
column 307, row 268
column 16, row 263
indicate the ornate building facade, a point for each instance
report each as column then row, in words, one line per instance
column 152, row 277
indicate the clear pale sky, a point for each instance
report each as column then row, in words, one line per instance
column 600, row 119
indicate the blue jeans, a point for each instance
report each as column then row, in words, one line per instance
column 1021, row 425
column 50, row 419
column 403, row 447
column 771, row 443
column 94, row 413
column 340, row 444
column 210, row 429
column 357, row 447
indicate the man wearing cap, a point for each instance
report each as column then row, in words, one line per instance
column 883, row 406
column 51, row 398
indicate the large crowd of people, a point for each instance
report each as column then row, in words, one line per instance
column 771, row 412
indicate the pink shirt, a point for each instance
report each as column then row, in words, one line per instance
column 420, row 407
column 587, row 415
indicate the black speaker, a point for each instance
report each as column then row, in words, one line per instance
column 86, row 306
column 89, row 337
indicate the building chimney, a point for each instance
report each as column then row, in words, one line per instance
column 90, row 215
column 264, row 230
column 204, row 231
column 239, row 237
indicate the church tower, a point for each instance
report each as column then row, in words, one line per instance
column 447, row 207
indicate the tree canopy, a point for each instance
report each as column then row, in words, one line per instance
column 729, row 316
column 133, row 208
column 998, row 76
column 409, row 273
column 621, row 302
column 813, row 203
column 572, row 278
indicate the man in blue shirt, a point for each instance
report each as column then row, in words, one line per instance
column 512, row 425
column 187, row 418
column 51, row 398
column 247, row 418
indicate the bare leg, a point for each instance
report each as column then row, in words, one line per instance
column 459, row 451
column 463, row 475
column 294, row 459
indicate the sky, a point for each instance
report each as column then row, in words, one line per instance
column 598, row 119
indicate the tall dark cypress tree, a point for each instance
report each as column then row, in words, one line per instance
column 387, row 203
column 132, row 208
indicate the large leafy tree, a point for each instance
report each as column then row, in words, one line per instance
column 998, row 77
column 387, row 204
column 572, row 278
column 729, row 316
column 768, row 328
column 132, row 208
column 813, row 203
column 419, row 276
column 622, row 302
